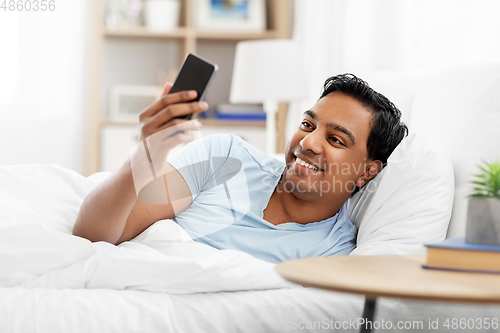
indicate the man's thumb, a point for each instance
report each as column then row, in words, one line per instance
column 166, row 88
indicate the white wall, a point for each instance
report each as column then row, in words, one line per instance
column 366, row 36
column 43, row 62
column 380, row 35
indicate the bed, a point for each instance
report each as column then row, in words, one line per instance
column 51, row 281
column 161, row 281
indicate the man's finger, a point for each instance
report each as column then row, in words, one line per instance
column 166, row 100
column 178, row 111
column 187, row 125
column 167, row 87
column 165, row 132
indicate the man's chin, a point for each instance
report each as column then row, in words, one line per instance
column 296, row 174
column 301, row 184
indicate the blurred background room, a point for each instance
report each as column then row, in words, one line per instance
column 73, row 77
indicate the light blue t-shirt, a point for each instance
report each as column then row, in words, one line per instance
column 231, row 183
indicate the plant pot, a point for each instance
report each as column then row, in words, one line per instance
column 483, row 221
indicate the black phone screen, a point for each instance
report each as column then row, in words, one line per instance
column 195, row 74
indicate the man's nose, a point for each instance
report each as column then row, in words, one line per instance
column 312, row 142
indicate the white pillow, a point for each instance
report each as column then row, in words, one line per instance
column 458, row 108
column 408, row 204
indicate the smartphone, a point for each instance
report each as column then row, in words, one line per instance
column 196, row 74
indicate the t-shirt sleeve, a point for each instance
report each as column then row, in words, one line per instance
column 199, row 161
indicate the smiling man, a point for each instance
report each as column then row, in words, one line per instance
column 271, row 210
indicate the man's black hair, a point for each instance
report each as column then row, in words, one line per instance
column 387, row 128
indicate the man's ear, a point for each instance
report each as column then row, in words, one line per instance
column 370, row 172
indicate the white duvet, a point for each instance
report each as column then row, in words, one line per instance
column 38, row 207
column 51, row 281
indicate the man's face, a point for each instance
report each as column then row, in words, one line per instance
column 332, row 139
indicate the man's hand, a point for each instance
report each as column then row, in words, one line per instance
column 165, row 112
column 161, row 131
column 111, row 212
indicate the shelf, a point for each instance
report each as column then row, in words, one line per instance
column 142, row 32
column 145, row 33
column 203, row 121
column 233, row 123
column 185, row 39
column 214, row 35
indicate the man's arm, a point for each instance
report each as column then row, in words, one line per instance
column 108, row 209
column 111, row 212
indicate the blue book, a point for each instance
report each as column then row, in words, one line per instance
column 240, row 112
column 458, row 255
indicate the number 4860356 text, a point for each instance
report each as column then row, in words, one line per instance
column 28, row 5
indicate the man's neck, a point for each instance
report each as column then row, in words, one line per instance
column 284, row 207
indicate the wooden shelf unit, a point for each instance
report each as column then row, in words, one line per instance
column 278, row 12
column 182, row 33
column 203, row 121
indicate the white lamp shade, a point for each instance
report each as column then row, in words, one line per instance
column 267, row 70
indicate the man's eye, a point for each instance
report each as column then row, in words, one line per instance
column 305, row 124
column 334, row 139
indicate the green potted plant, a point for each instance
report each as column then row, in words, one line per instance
column 483, row 216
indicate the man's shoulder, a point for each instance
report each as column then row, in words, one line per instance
column 231, row 145
column 219, row 140
column 257, row 156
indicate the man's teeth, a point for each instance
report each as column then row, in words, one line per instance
column 307, row 165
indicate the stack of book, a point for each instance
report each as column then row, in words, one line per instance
column 458, row 255
column 240, row 112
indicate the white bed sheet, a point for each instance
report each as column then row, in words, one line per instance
column 282, row 310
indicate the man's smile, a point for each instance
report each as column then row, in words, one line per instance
column 304, row 165
column 307, row 165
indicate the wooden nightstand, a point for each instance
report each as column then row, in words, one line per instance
column 390, row 276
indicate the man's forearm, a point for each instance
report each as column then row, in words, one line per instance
column 108, row 212
column 104, row 212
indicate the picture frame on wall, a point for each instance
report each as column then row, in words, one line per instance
column 231, row 15
column 127, row 101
